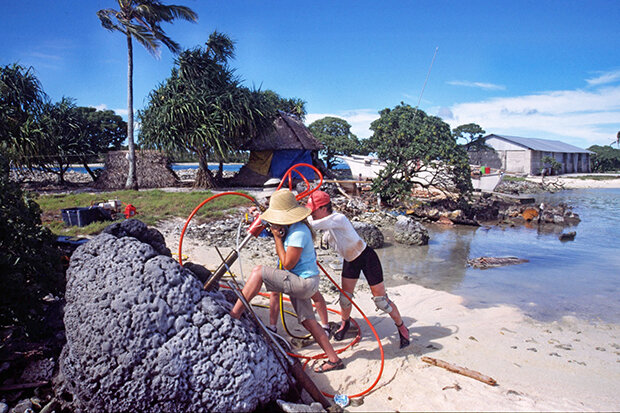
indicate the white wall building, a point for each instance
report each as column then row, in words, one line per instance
column 523, row 155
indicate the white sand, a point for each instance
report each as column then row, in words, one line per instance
column 570, row 365
column 574, row 183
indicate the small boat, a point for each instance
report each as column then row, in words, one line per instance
column 486, row 182
column 363, row 167
column 368, row 167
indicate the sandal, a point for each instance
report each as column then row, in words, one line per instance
column 339, row 336
column 329, row 366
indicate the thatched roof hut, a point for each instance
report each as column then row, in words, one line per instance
column 152, row 168
column 274, row 151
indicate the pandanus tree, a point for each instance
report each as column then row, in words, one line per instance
column 140, row 20
column 21, row 101
column 203, row 108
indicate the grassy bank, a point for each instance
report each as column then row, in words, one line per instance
column 152, row 206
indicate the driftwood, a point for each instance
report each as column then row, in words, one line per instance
column 460, row 370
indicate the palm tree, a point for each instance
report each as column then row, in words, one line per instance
column 140, row 19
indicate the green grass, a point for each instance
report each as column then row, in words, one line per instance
column 513, row 178
column 152, row 207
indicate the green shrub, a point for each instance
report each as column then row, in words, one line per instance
column 29, row 263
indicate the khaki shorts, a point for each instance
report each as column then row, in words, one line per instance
column 299, row 289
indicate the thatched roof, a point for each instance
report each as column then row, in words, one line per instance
column 152, row 168
column 288, row 133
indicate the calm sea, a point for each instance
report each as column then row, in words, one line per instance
column 579, row 278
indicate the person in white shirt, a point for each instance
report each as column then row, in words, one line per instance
column 357, row 257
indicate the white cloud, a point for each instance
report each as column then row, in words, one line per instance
column 604, row 78
column 577, row 116
column 359, row 119
column 480, row 85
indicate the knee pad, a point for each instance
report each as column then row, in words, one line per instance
column 383, row 303
column 344, row 301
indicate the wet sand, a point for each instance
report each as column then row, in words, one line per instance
column 567, row 365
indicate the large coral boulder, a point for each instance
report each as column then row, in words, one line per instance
column 410, row 232
column 369, row 233
column 143, row 336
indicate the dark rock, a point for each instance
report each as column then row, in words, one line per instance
column 137, row 229
column 142, row 335
column 369, row 233
column 410, row 232
column 568, row 236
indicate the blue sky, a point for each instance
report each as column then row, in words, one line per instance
column 541, row 69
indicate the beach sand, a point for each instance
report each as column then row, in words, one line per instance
column 574, row 183
column 567, row 365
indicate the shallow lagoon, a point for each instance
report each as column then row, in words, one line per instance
column 579, row 278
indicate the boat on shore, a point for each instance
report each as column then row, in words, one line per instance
column 368, row 167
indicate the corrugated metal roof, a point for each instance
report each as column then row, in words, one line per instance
column 542, row 145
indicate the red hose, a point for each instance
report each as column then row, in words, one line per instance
column 211, row 198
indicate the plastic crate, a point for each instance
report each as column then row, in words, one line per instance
column 81, row 216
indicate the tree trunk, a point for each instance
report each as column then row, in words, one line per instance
column 204, row 179
column 90, row 172
column 132, row 179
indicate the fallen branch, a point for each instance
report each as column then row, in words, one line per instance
column 460, row 370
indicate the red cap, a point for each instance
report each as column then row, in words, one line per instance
column 317, row 199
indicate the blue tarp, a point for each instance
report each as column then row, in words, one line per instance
column 283, row 159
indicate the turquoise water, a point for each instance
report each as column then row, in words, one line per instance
column 579, row 278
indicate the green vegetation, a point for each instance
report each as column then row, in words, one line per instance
column 140, row 20
column 152, row 206
column 203, row 109
column 552, row 163
column 473, row 135
column 335, row 134
column 514, row 178
column 38, row 134
column 29, row 264
column 412, row 142
column 605, row 158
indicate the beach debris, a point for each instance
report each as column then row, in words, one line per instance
column 493, row 262
column 567, row 236
column 410, row 232
column 460, row 370
column 455, row 386
column 143, row 335
column 341, row 400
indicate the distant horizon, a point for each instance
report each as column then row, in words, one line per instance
column 546, row 70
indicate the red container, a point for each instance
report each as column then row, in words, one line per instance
column 487, row 170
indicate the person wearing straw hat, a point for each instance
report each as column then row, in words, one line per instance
column 299, row 276
column 357, row 257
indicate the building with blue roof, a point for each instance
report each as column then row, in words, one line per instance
column 519, row 155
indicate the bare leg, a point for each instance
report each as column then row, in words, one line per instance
column 321, row 307
column 317, row 332
column 250, row 289
column 274, row 308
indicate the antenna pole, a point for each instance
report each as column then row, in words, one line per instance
column 427, row 76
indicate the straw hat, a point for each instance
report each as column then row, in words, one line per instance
column 284, row 209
